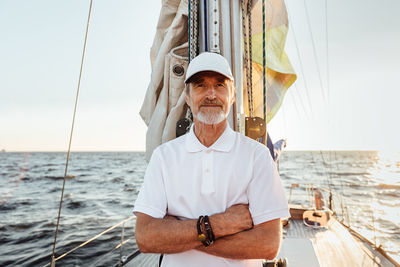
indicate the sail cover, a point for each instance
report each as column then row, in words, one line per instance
column 164, row 102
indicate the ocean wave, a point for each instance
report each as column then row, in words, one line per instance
column 117, row 180
column 59, row 177
column 26, row 178
column 6, row 206
column 34, row 236
column 49, row 165
column 75, row 205
column 22, row 226
column 388, row 186
column 350, row 173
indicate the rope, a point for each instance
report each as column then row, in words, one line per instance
column 245, row 50
column 193, row 29
column 71, row 133
column 264, row 65
column 193, row 40
column 248, row 54
column 249, row 5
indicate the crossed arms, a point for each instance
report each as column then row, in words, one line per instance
column 236, row 238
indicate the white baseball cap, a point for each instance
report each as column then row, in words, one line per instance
column 208, row 61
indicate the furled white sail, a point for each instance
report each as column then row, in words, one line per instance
column 164, row 101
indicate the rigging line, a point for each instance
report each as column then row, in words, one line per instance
column 342, row 199
column 284, row 122
column 296, row 91
column 300, row 61
column 246, row 60
column 71, row 133
column 193, row 29
column 327, row 50
column 331, row 168
column 106, row 254
column 314, row 51
column 189, row 31
column 205, row 26
column 329, row 180
column 294, row 102
column 264, row 64
column 94, row 238
column 249, row 7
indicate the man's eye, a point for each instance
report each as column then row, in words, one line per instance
column 221, row 85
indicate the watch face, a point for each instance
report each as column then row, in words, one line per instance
column 202, row 237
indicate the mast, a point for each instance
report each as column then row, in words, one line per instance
column 220, row 31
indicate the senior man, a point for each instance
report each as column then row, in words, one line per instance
column 211, row 197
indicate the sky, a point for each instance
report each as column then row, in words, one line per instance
column 40, row 53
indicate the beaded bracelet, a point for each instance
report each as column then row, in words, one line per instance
column 201, row 236
column 209, row 231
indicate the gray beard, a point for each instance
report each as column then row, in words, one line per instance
column 211, row 117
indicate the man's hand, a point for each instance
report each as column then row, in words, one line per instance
column 169, row 217
column 235, row 219
column 261, row 242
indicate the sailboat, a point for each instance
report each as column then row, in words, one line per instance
column 251, row 35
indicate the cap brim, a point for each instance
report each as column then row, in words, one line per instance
column 187, row 80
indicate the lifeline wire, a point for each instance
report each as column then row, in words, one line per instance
column 72, row 130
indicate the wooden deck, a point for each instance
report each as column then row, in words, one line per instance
column 333, row 246
column 144, row 260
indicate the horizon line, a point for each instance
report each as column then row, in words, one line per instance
column 143, row 151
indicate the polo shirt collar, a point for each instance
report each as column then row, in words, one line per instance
column 224, row 143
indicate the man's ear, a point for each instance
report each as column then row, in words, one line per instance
column 187, row 97
column 233, row 94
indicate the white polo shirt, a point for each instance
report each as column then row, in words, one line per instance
column 186, row 179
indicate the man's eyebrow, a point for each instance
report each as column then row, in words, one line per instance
column 200, row 80
column 221, row 80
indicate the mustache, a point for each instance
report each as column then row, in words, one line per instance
column 210, row 102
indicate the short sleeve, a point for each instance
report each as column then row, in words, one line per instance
column 152, row 197
column 267, row 200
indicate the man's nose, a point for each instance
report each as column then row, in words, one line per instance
column 211, row 92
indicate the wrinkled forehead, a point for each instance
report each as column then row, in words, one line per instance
column 208, row 76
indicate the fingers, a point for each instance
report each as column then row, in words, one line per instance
column 170, row 217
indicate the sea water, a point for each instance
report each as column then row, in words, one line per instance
column 102, row 187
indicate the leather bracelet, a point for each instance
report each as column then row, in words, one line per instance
column 209, row 231
column 200, row 235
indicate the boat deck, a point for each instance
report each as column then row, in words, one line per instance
column 144, row 260
column 331, row 246
column 312, row 247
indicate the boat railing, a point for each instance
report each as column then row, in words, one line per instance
column 120, row 245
